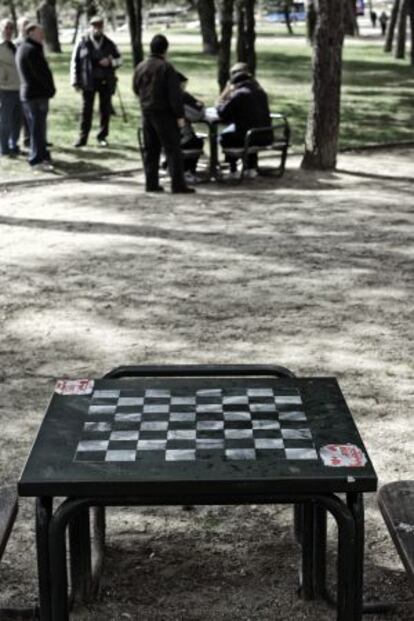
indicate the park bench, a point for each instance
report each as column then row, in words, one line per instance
column 396, row 503
column 280, row 143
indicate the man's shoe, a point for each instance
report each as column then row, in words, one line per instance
column 184, row 191
column 80, row 143
column 102, row 142
column 158, row 189
column 43, row 167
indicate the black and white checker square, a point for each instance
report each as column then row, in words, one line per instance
column 126, row 426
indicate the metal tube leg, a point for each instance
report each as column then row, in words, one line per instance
column 80, row 557
column 346, row 565
column 306, row 573
column 98, row 541
column 319, row 550
column 43, row 517
column 356, row 504
column 298, row 522
column 57, row 552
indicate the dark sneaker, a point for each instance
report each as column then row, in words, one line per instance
column 80, row 143
column 184, row 191
column 158, row 189
column 102, row 142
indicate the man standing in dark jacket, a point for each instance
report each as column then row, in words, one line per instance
column 94, row 61
column 36, row 88
column 157, row 84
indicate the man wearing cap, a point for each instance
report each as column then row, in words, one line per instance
column 10, row 109
column 36, row 88
column 157, row 85
column 244, row 106
column 94, row 61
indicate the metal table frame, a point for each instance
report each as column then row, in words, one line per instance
column 310, row 521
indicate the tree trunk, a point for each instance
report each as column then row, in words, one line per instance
column 391, row 27
column 246, row 34
column 402, row 29
column 311, row 17
column 46, row 16
column 134, row 10
column 351, row 24
column 250, row 36
column 226, row 27
column 240, row 45
column 77, row 22
column 207, row 14
column 411, row 18
column 322, row 132
column 13, row 15
column 90, row 9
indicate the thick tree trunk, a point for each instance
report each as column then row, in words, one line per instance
column 322, row 133
column 226, row 27
column 391, row 27
column 402, row 29
column 134, row 11
column 46, row 16
column 246, row 33
column 207, row 14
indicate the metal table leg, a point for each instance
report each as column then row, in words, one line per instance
column 43, row 517
column 80, row 557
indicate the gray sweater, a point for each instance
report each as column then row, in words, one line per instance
column 9, row 78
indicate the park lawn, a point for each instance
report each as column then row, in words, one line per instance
column 377, row 101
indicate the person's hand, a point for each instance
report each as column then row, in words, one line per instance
column 106, row 62
column 181, row 122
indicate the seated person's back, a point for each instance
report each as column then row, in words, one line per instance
column 245, row 106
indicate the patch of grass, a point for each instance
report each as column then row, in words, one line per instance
column 377, row 100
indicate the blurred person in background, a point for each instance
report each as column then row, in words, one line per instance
column 93, row 66
column 10, row 108
column 36, row 88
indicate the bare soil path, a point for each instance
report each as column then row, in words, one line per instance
column 314, row 271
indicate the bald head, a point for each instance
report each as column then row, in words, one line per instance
column 35, row 32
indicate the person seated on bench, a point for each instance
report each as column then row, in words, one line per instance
column 244, row 105
column 194, row 111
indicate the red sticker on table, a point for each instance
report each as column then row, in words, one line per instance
column 343, row 455
column 74, row 387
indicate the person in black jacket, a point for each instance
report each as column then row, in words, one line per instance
column 93, row 65
column 244, row 106
column 157, row 85
column 194, row 110
column 36, row 88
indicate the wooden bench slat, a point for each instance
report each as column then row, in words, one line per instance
column 396, row 502
column 8, row 512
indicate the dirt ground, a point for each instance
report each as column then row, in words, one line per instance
column 314, row 271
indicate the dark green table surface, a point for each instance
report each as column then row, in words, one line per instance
column 55, row 466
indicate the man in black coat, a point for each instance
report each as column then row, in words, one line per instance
column 245, row 106
column 93, row 66
column 36, row 88
column 157, row 84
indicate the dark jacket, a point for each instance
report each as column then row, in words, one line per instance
column 85, row 67
column 157, row 85
column 246, row 107
column 36, row 80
